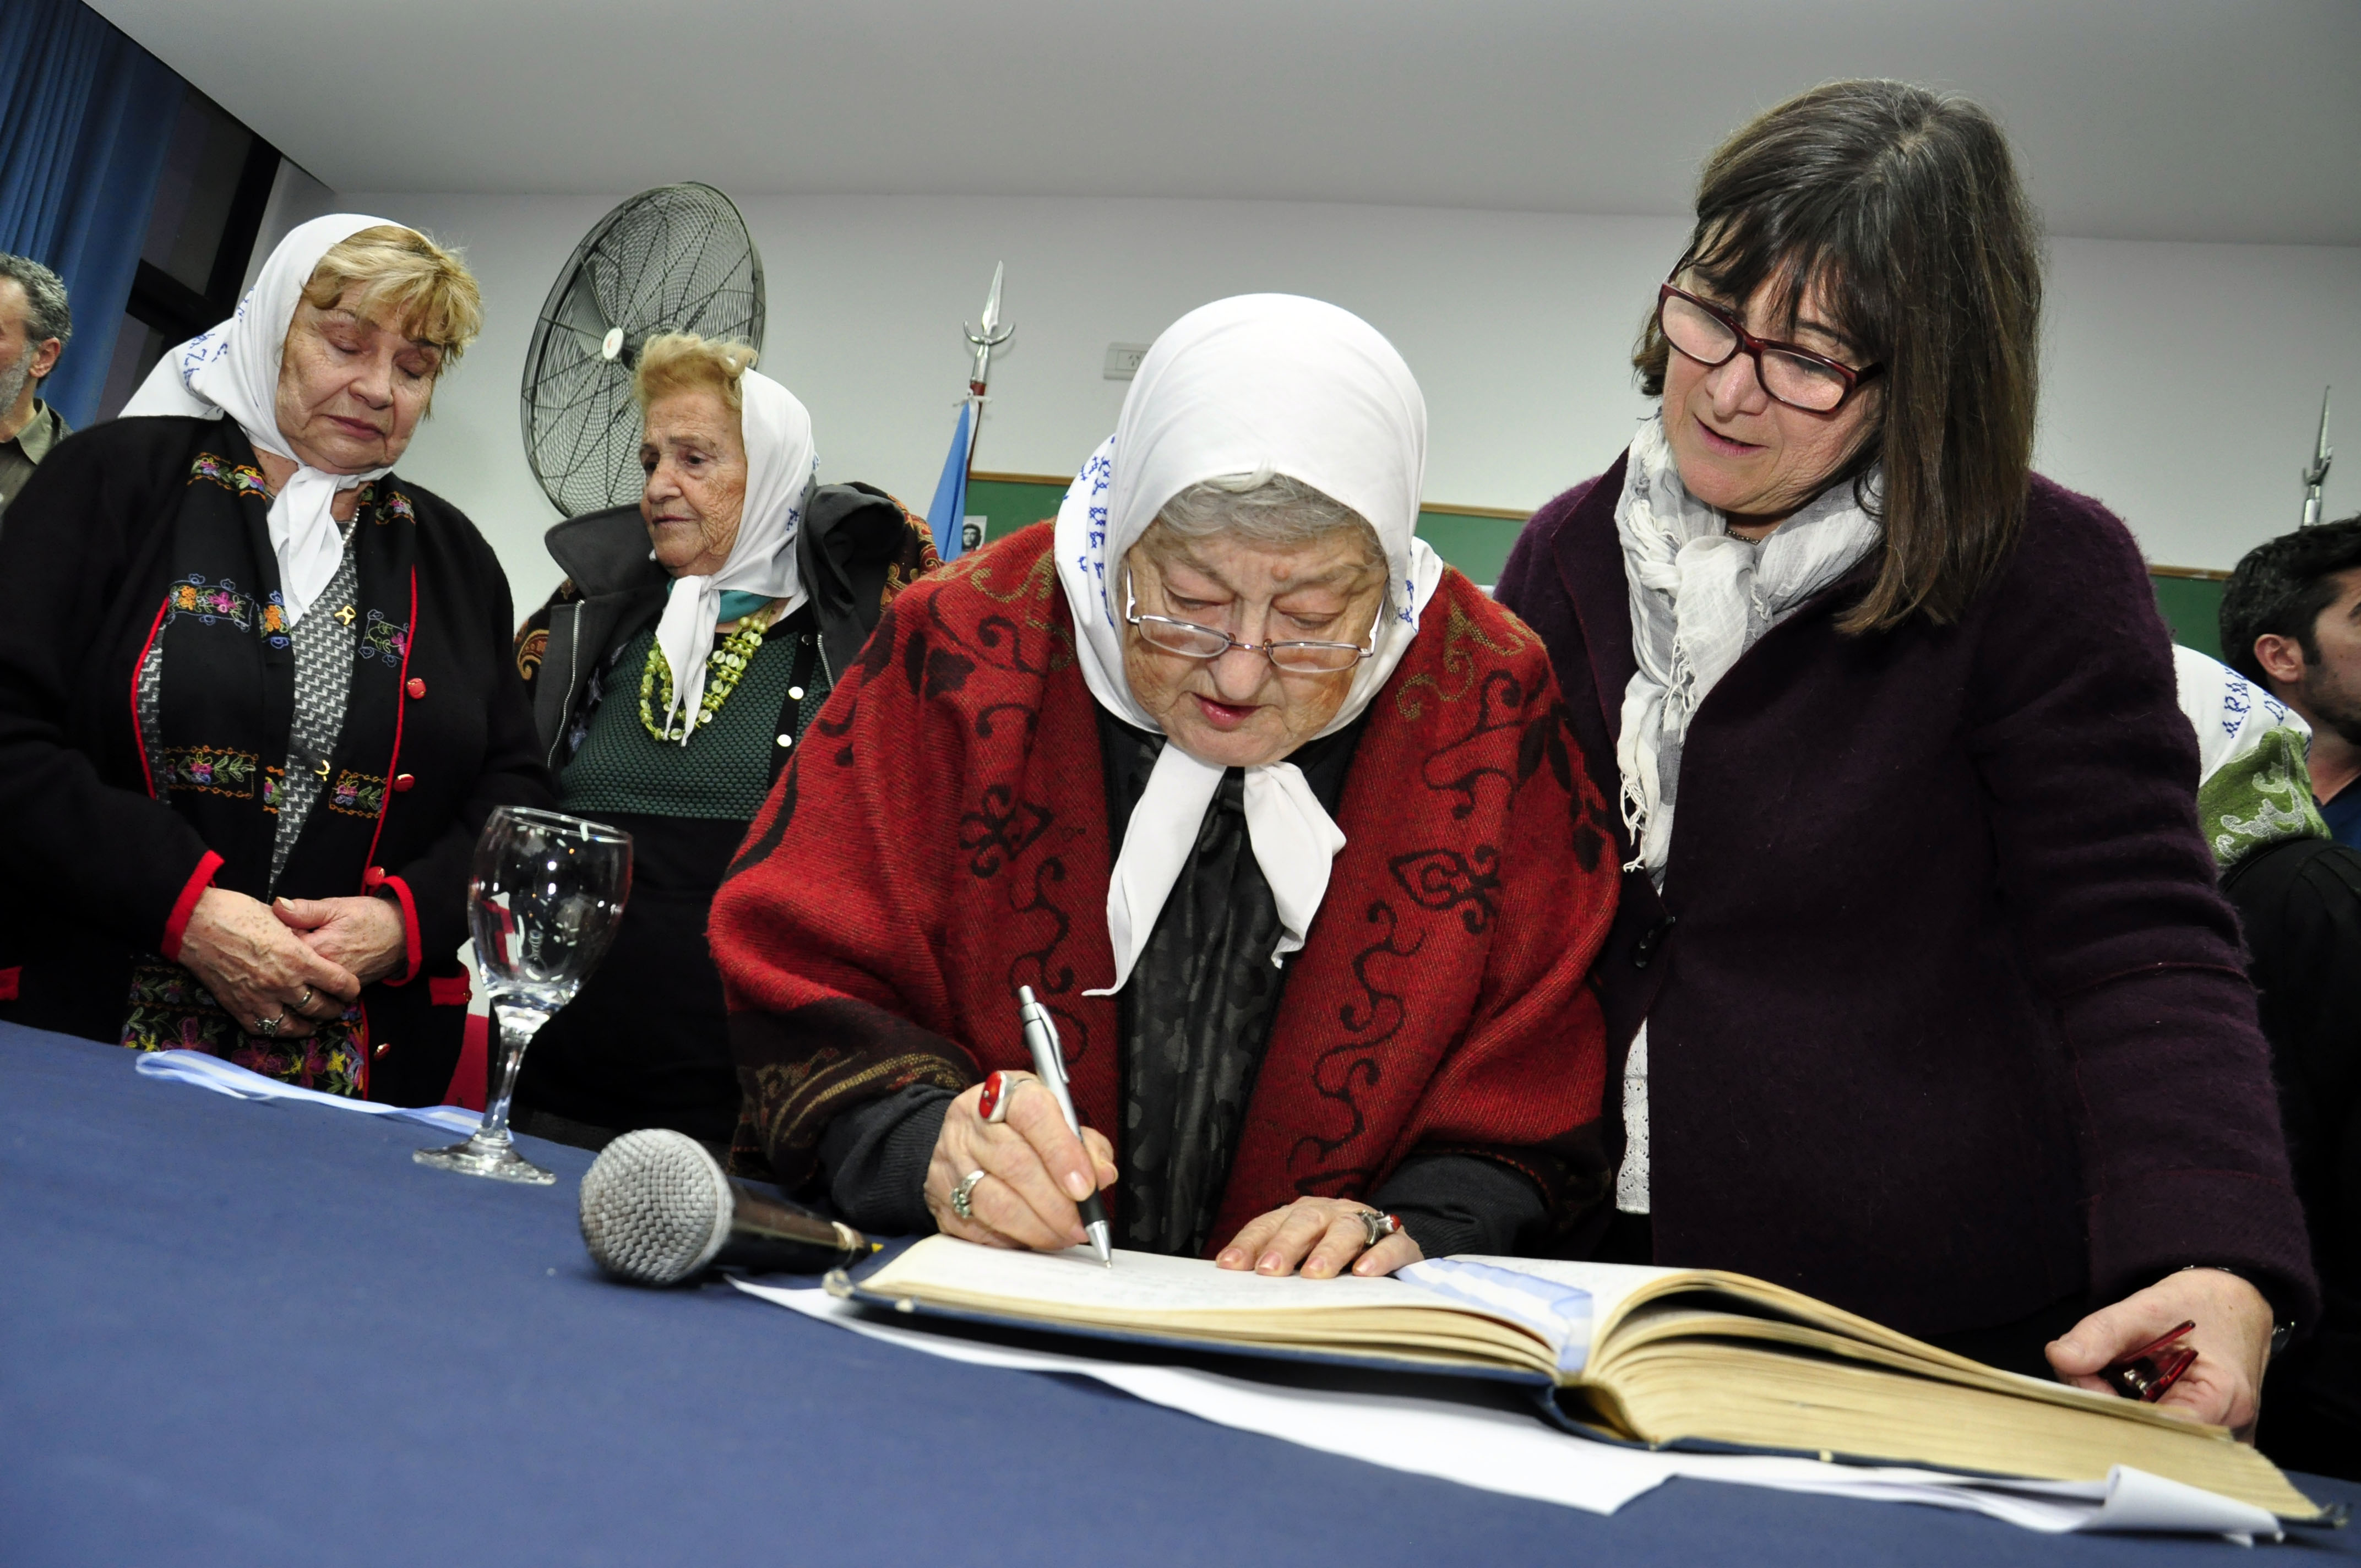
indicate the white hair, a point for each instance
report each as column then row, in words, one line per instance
column 1267, row 508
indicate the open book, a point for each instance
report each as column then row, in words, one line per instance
column 1682, row 1356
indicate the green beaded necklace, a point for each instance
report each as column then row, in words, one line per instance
column 723, row 669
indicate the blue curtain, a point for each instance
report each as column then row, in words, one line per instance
column 84, row 117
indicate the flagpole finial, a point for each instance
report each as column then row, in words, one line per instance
column 2315, row 474
column 990, row 335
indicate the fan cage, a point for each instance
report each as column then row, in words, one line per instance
column 675, row 258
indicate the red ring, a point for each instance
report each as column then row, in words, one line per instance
column 993, row 1105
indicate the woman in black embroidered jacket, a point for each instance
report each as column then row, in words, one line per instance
column 255, row 701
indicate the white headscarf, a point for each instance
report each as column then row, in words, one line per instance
column 2229, row 715
column 2253, row 787
column 1262, row 383
column 234, row 370
column 1701, row 597
column 780, row 466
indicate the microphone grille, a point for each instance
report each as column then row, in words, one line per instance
column 655, row 1207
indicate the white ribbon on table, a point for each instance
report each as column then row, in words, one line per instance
column 239, row 1083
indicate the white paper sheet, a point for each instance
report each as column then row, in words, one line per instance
column 239, row 1083
column 1522, row 1455
column 1140, row 1281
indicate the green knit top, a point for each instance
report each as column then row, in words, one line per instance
column 724, row 771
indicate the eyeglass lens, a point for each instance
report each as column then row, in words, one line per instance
column 1706, row 338
column 1204, row 642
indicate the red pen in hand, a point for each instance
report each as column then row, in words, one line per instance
column 2155, row 1366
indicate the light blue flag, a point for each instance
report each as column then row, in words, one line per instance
column 948, row 512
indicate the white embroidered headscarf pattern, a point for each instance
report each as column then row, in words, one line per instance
column 2253, row 787
column 781, row 466
column 1262, row 383
column 234, row 370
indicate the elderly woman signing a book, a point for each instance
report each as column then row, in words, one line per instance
column 1275, row 814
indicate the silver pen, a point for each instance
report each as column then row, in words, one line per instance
column 1050, row 1067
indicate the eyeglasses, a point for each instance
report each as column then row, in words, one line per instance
column 1796, row 377
column 1192, row 640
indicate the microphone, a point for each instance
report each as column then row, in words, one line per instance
column 658, row 1209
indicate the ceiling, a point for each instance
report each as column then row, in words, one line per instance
column 2139, row 119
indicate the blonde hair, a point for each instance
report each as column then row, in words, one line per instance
column 405, row 282
column 682, row 362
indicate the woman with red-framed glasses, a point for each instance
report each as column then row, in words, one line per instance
column 1920, row 994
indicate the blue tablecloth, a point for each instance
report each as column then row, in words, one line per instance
column 254, row 1334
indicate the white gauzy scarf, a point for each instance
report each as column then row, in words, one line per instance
column 780, row 468
column 1701, row 597
column 234, row 370
column 1262, row 383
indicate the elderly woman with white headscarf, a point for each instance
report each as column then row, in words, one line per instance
column 694, row 637
column 255, row 702
column 1274, row 813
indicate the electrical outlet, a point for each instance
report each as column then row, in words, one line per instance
column 1123, row 360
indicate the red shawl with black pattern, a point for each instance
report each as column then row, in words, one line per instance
column 941, row 838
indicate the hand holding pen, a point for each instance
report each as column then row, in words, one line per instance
column 1009, row 1170
column 2217, row 1314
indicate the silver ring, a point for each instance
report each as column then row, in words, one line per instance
column 1376, row 1225
column 268, row 1027
column 963, row 1196
column 304, row 1000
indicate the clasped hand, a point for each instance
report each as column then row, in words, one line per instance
column 299, row 960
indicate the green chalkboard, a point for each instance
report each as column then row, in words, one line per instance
column 1479, row 546
column 2193, row 607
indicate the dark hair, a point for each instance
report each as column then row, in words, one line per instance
column 1908, row 204
column 2280, row 589
column 47, row 314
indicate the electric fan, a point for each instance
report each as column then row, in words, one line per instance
column 676, row 258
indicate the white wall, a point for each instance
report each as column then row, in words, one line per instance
column 2183, row 386
column 1518, row 326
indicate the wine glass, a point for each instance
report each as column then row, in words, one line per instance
column 547, row 894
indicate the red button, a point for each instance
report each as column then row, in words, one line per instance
column 373, row 877
column 401, row 783
column 383, row 1047
column 416, row 688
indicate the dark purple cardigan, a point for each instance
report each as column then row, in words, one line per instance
column 1947, row 1020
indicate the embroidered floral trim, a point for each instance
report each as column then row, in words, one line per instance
column 211, row 603
column 238, row 478
column 213, row 769
column 274, row 784
column 382, row 639
column 168, row 1010
column 357, row 795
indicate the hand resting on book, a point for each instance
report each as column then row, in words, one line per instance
column 1035, row 1171
column 1316, row 1237
column 2233, row 1339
